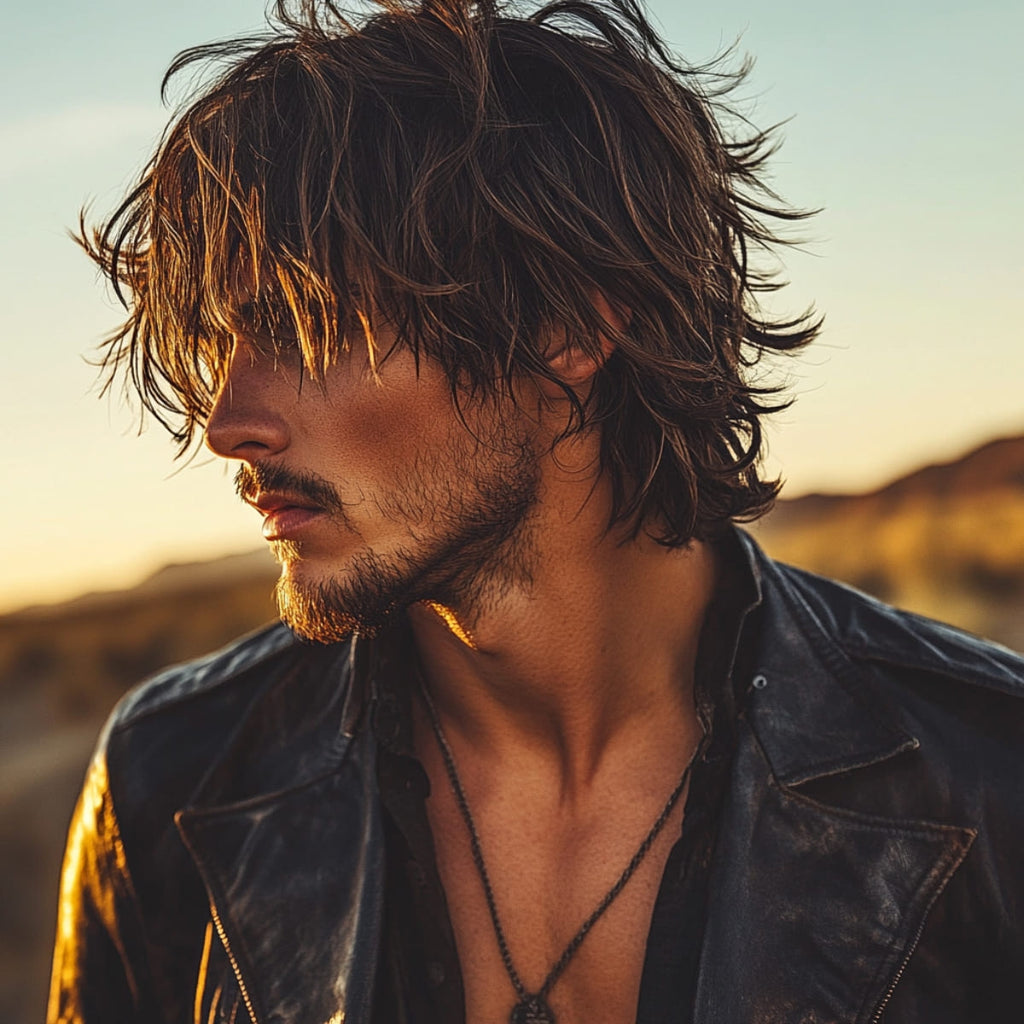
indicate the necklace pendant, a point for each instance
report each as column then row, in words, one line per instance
column 532, row 1010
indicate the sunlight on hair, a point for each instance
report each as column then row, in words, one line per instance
column 408, row 167
column 371, row 346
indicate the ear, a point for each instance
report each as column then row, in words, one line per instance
column 570, row 363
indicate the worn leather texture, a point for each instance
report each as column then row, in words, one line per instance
column 225, row 861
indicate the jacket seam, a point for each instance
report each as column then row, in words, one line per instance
column 839, row 766
column 877, row 823
column 201, row 813
column 965, row 674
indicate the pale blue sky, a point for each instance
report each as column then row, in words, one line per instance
column 905, row 126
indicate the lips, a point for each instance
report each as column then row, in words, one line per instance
column 284, row 515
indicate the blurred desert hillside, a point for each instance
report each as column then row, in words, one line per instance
column 947, row 541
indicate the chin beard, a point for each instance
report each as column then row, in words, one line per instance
column 329, row 610
column 480, row 552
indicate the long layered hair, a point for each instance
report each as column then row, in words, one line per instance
column 474, row 174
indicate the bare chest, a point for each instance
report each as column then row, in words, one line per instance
column 547, row 881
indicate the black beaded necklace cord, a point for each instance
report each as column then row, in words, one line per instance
column 533, row 1008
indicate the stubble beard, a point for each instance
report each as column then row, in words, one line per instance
column 470, row 541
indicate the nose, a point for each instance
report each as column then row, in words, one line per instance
column 247, row 421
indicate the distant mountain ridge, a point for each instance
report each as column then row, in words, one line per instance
column 946, row 540
column 997, row 465
column 174, row 578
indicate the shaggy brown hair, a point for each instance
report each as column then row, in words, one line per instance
column 473, row 173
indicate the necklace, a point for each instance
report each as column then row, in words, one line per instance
column 532, row 1007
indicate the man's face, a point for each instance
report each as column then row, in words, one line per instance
column 374, row 492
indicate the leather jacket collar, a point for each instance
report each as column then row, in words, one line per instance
column 834, row 899
column 814, row 909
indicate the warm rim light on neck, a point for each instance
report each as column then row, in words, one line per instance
column 451, row 620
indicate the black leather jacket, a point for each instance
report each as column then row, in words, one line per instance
column 226, row 856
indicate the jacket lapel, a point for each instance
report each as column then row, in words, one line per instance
column 295, row 876
column 817, row 926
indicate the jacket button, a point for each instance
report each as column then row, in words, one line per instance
column 760, row 682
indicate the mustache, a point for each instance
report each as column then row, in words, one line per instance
column 250, row 480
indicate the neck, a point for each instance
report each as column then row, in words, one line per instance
column 592, row 657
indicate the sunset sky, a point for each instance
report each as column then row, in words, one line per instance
column 904, row 127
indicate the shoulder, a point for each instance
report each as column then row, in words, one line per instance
column 189, row 710
column 955, row 696
column 208, row 678
column 886, row 712
column 852, row 665
column 164, row 737
column 131, row 889
column 191, row 679
column 869, row 630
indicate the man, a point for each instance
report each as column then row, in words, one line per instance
column 466, row 293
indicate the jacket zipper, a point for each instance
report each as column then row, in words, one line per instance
column 218, row 924
column 877, row 1015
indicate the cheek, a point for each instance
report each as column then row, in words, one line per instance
column 383, row 432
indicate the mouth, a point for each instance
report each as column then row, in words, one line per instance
column 284, row 515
